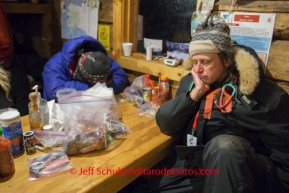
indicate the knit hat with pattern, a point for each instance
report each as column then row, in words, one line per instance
column 211, row 36
column 92, row 67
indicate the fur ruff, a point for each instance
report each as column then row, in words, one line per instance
column 248, row 68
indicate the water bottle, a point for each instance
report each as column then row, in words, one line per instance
column 165, row 88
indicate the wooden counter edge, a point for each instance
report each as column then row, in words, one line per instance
column 155, row 156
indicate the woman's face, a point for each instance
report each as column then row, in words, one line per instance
column 210, row 68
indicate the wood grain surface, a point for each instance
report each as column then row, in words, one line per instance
column 141, row 149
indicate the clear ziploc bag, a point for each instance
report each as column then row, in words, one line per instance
column 85, row 121
column 148, row 109
column 133, row 93
column 114, row 114
column 117, row 128
column 48, row 165
column 50, row 138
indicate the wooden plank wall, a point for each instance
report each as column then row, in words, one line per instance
column 31, row 26
column 105, row 16
column 278, row 64
column 43, row 31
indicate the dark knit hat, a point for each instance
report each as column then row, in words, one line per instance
column 92, row 67
column 211, row 36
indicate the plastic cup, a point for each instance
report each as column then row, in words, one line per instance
column 127, row 47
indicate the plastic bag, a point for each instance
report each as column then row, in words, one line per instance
column 85, row 121
column 48, row 165
column 56, row 117
column 117, row 128
column 114, row 113
column 50, row 138
column 85, row 136
column 148, row 109
column 133, row 93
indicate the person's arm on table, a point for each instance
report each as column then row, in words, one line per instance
column 56, row 76
column 120, row 79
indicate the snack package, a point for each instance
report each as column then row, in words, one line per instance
column 48, row 165
column 84, row 136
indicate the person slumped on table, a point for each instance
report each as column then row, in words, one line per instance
column 239, row 117
column 81, row 63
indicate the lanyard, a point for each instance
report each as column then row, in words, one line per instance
column 223, row 101
column 228, row 99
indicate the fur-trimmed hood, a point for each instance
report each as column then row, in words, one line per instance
column 247, row 63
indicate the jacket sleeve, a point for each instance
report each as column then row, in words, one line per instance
column 120, row 79
column 56, row 76
column 174, row 116
column 276, row 139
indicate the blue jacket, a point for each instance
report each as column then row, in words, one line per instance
column 56, row 74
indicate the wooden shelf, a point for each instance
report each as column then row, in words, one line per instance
column 125, row 30
column 138, row 63
column 26, row 8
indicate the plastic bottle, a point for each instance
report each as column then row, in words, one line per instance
column 7, row 166
column 42, row 105
column 12, row 130
column 147, row 80
column 149, row 53
column 156, row 93
column 165, row 89
column 35, row 116
column 38, row 94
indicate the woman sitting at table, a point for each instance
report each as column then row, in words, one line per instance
column 5, row 100
column 6, row 53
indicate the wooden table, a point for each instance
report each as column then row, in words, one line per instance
column 143, row 148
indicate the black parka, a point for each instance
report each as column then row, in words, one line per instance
column 262, row 117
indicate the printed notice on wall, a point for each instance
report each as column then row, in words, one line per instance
column 104, row 36
column 254, row 30
column 79, row 18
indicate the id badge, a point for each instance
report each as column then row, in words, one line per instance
column 191, row 140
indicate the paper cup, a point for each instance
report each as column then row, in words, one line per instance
column 127, row 47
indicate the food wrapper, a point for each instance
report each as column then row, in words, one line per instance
column 48, row 165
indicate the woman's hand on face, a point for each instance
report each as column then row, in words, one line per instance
column 200, row 88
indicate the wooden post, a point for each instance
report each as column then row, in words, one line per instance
column 124, row 24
